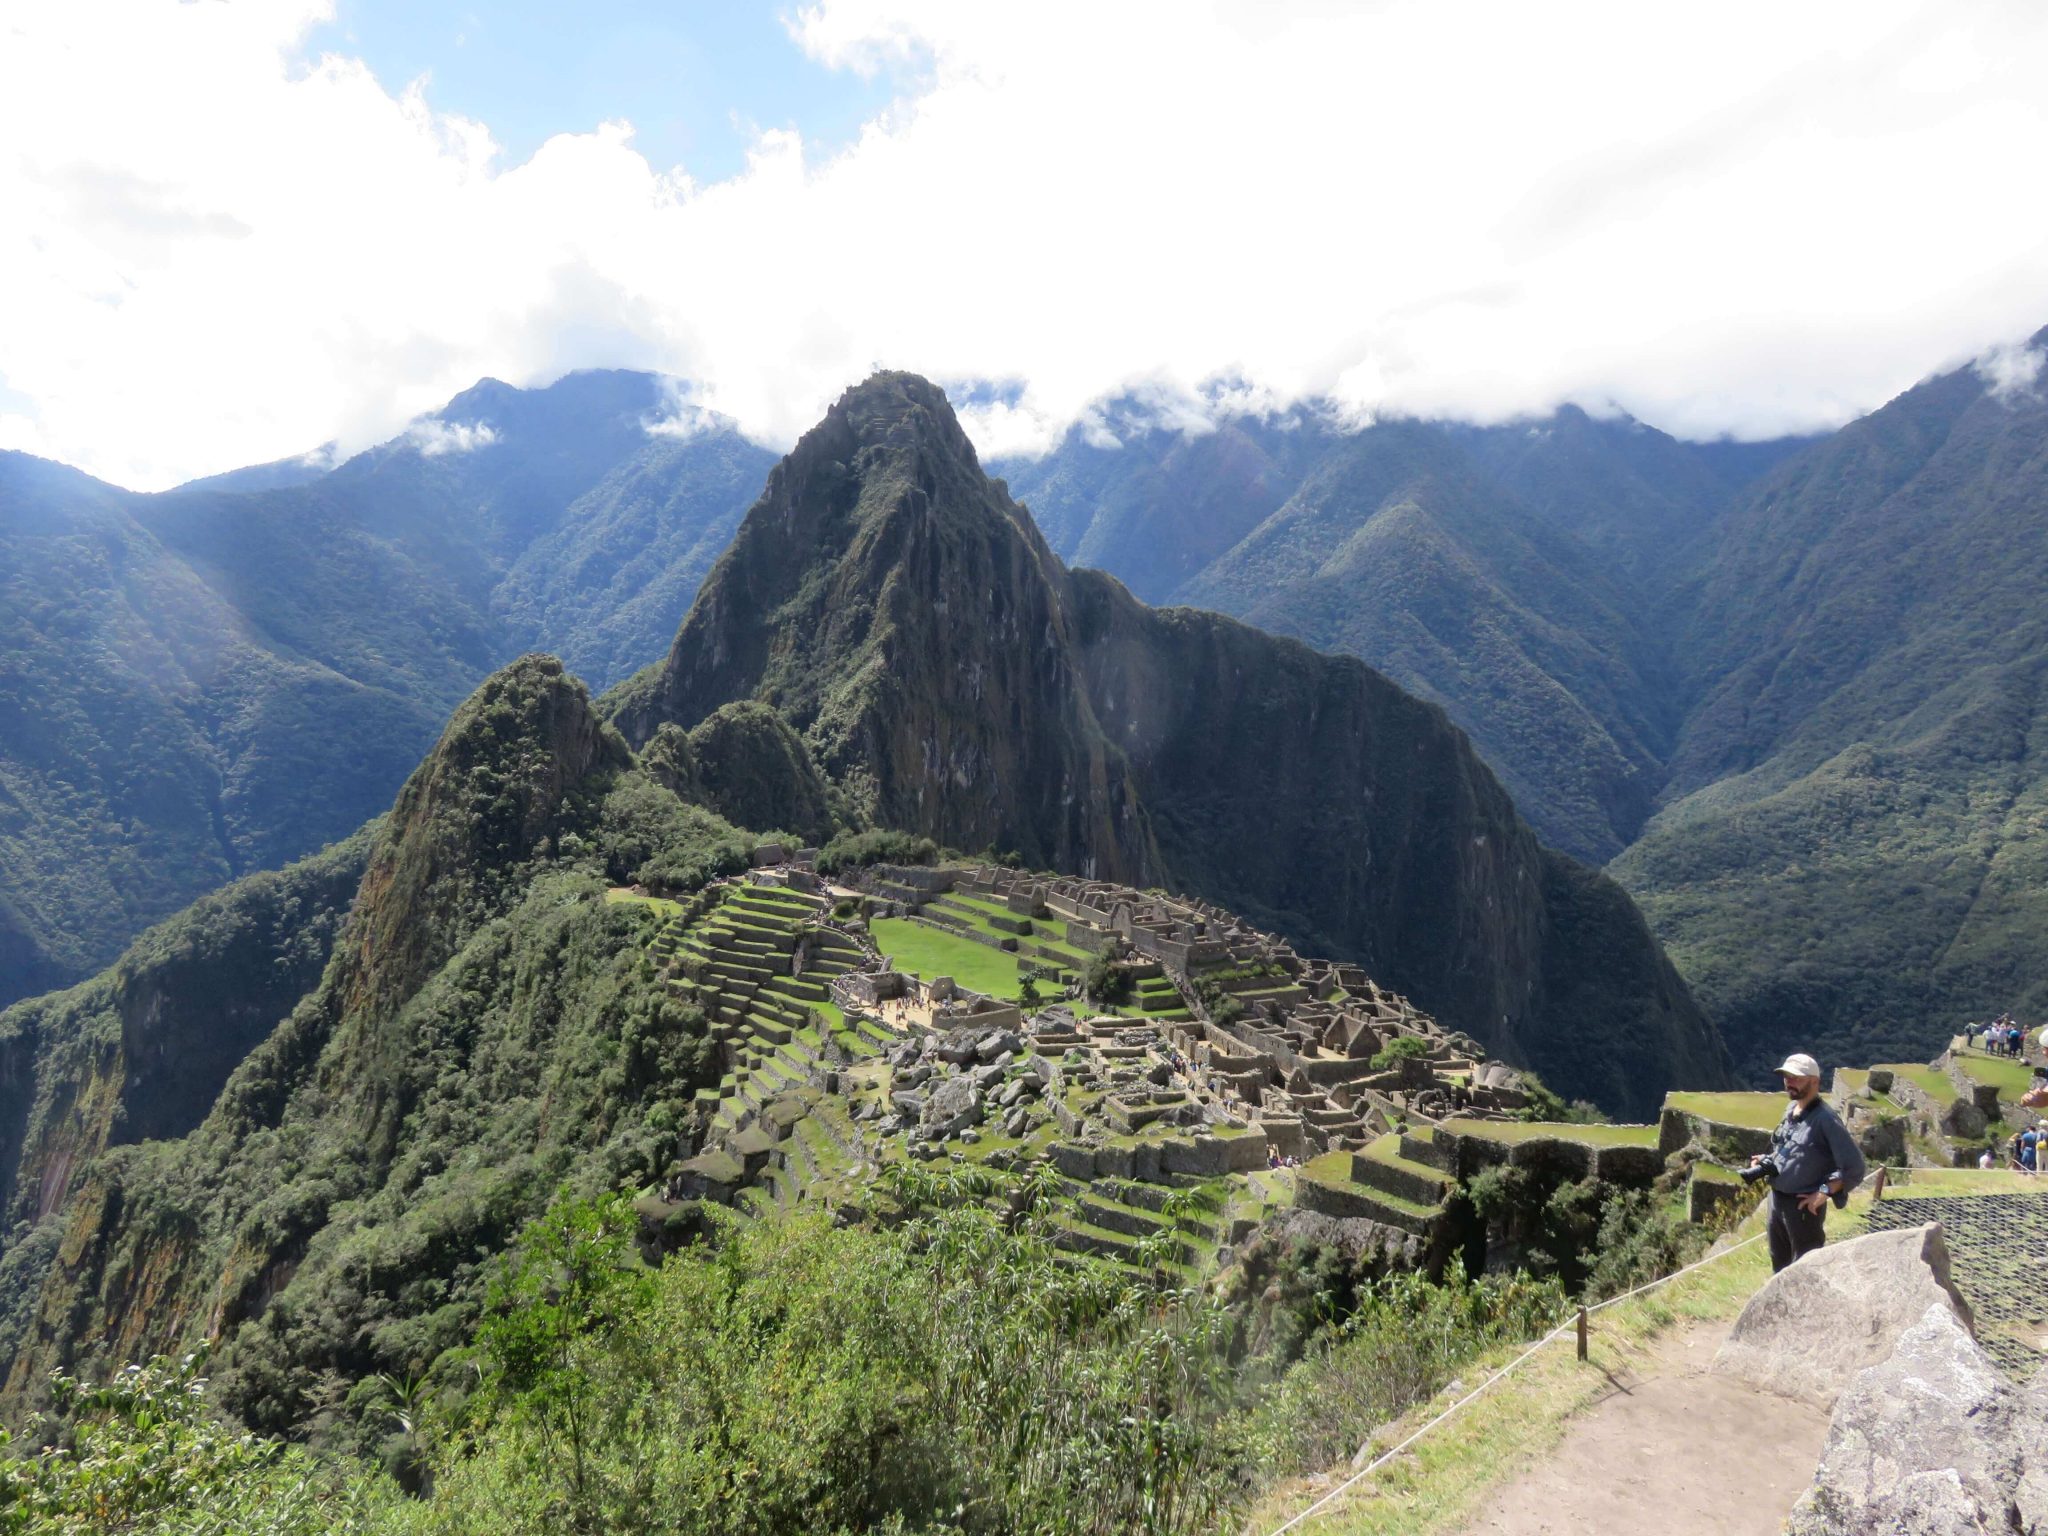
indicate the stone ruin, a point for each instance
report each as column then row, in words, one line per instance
column 1264, row 1041
column 1235, row 1055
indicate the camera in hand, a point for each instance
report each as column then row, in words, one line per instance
column 1767, row 1168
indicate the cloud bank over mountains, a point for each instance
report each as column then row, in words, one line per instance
column 1742, row 218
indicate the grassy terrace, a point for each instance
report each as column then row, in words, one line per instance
column 1386, row 1150
column 1560, row 1130
column 1758, row 1111
column 662, row 907
column 1936, row 1084
column 1047, row 932
column 1334, row 1169
column 928, row 952
column 1961, row 1181
column 2012, row 1078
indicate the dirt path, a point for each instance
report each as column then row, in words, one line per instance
column 1675, row 1451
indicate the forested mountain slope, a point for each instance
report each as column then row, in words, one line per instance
column 483, row 1027
column 1854, row 845
column 222, row 678
column 906, row 616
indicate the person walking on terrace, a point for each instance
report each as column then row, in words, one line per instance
column 1817, row 1161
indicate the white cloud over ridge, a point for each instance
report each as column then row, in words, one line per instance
column 1741, row 218
column 435, row 438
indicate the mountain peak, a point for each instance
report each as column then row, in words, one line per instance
column 494, row 787
column 897, row 407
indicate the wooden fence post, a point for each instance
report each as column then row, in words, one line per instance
column 1582, row 1333
column 1877, row 1189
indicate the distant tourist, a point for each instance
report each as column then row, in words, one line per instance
column 1817, row 1160
column 1987, row 1160
column 1970, row 1033
column 2026, row 1147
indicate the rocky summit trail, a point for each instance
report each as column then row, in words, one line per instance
column 1671, row 1448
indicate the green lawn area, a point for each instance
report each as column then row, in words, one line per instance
column 1557, row 1130
column 977, row 919
column 1963, row 1181
column 2012, row 1077
column 1758, row 1111
column 663, row 907
column 927, row 952
column 1935, row 1084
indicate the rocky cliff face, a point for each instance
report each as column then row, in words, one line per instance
column 902, row 612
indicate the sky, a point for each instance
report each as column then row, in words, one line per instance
column 238, row 230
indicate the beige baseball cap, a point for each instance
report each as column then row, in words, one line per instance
column 1799, row 1065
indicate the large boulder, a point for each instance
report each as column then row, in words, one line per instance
column 1932, row 1442
column 1839, row 1310
column 953, row 1106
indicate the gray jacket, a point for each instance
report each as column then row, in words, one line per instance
column 1813, row 1149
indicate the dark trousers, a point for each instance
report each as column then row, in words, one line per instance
column 1793, row 1231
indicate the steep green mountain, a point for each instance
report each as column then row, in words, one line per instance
column 152, row 739
column 224, row 677
column 909, row 620
column 486, row 1027
column 1154, row 506
column 1852, row 850
column 744, row 762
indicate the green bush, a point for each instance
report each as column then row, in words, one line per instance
column 1406, row 1338
column 856, row 850
column 142, row 1454
column 1397, row 1050
column 1106, row 982
column 793, row 1376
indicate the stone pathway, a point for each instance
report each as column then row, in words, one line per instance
column 1674, row 1450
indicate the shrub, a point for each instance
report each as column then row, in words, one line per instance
column 857, row 850
column 1106, row 982
column 142, row 1452
column 1397, row 1050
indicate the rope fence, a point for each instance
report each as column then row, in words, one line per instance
column 1574, row 1324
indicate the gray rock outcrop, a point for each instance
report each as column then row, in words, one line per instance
column 1838, row 1311
column 954, row 1105
column 1933, row 1442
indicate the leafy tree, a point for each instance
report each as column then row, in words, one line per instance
column 1106, row 982
column 574, row 1282
column 1399, row 1049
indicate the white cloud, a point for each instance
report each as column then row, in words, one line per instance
column 433, row 437
column 1743, row 217
column 2012, row 369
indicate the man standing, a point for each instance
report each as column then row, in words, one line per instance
column 1817, row 1160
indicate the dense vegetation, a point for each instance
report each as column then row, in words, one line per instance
column 487, row 1029
column 947, row 1373
column 141, row 1051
